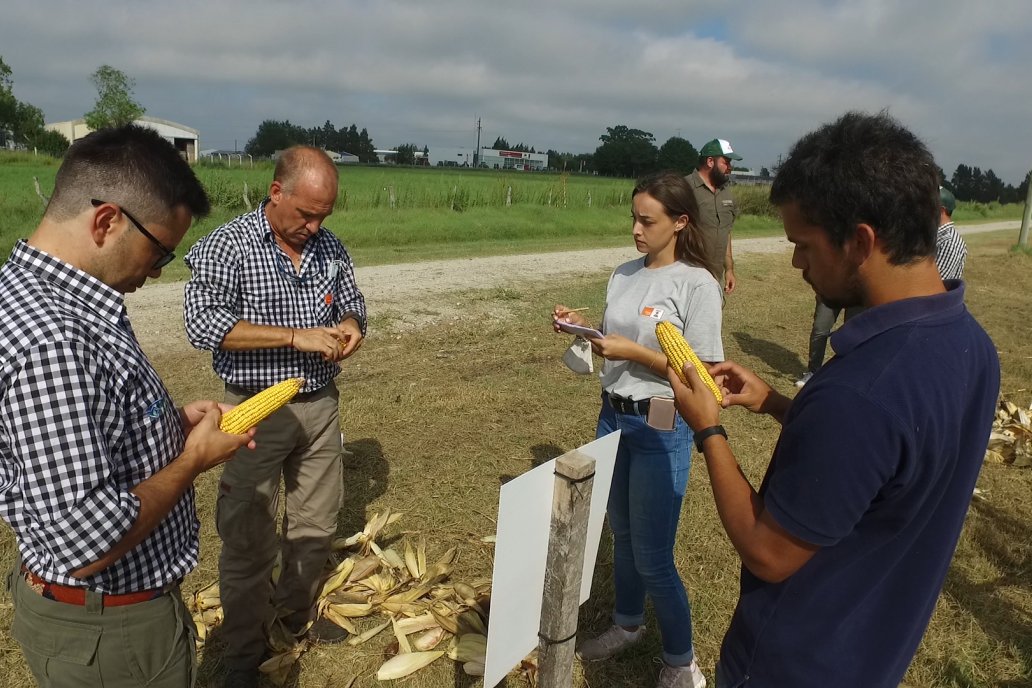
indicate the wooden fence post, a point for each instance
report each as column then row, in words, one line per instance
column 571, row 503
column 1026, row 217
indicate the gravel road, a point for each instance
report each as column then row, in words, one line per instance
column 417, row 293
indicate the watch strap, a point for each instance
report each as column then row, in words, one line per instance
column 701, row 435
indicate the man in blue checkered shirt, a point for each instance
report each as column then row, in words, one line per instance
column 273, row 296
column 96, row 462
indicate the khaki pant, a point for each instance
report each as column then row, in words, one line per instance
column 69, row 646
column 300, row 442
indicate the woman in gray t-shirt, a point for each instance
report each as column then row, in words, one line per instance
column 669, row 283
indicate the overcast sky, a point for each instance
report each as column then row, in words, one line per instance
column 548, row 73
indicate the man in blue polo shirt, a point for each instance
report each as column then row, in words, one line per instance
column 846, row 544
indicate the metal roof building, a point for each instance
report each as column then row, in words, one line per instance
column 184, row 138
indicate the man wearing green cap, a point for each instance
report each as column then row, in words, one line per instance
column 711, row 184
column 950, row 249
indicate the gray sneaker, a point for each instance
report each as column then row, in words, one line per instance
column 615, row 639
column 681, row 677
column 801, row 382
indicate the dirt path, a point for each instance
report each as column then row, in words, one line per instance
column 416, row 294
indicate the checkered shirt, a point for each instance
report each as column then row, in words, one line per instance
column 950, row 252
column 84, row 418
column 240, row 273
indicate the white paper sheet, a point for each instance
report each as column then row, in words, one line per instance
column 521, row 550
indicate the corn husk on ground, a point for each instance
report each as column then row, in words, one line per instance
column 1010, row 441
column 371, row 589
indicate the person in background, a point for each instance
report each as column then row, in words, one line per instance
column 670, row 282
column 846, row 545
column 711, row 183
column 96, row 462
column 950, row 249
column 273, row 296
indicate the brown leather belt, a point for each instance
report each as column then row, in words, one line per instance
column 77, row 596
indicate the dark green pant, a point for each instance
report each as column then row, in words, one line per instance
column 147, row 644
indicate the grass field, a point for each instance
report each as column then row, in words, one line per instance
column 436, row 213
column 438, row 418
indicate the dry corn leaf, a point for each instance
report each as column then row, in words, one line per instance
column 337, row 577
column 411, row 562
column 366, row 635
column 352, row 611
column 465, row 592
column 392, row 559
column 402, row 665
column 403, row 643
column 446, row 620
column 471, row 623
column 339, row 619
column 473, row 668
column 364, row 567
column 416, row 623
column 470, row 647
column 421, row 555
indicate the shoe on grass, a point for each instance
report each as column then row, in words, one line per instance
column 613, row 640
column 689, row 676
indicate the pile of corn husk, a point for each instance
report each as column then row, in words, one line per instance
column 1010, row 441
column 429, row 616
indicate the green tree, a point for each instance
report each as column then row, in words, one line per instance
column 406, row 154
column 625, row 152
column 115, row 105
column 677, row 154
column 273, row 135
column 49, row 142
column 24, row 121
column 500, row 144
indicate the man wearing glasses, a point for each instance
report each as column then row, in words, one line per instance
column 273, row 296
column 96, row 462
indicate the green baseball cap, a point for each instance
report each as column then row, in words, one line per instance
column 947, row 200
column 718, row 148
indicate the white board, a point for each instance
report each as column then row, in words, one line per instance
column 521, row 550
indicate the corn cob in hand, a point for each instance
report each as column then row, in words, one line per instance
column 259, row 407
column 678, row 353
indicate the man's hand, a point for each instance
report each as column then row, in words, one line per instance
column 328, row 342
column 351, row 336
column 742, row 387
column 694, row 401
column 206, row 445
column 729, row 280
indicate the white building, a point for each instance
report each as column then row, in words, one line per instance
column 512, row 160
column 184, row 138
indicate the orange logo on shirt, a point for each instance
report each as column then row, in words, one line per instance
column 647, row 311
column 329, row 299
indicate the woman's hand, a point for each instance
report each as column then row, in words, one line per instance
column 615, row 347
column 561, row 312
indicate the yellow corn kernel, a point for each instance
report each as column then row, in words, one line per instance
column 259, row 407
column 678, row 353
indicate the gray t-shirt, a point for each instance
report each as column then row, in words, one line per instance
column 637, row 298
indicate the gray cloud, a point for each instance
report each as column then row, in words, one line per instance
column 552, row 74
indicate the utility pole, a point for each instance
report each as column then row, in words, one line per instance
column 476, row 153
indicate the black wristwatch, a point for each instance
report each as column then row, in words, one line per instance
column 712, row 430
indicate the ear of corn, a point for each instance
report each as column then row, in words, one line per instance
column 678, row 353
column 260, row 406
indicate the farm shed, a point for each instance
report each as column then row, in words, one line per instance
column 184, row 138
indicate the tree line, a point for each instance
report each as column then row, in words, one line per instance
column 623, row 151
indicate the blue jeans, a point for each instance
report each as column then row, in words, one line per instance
column 649, row 480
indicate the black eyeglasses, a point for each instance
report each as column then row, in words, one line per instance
column 166, row 255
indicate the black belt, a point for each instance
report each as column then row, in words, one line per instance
column 628, row 406
column 300, row 396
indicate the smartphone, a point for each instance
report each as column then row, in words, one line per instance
column 662, row 413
